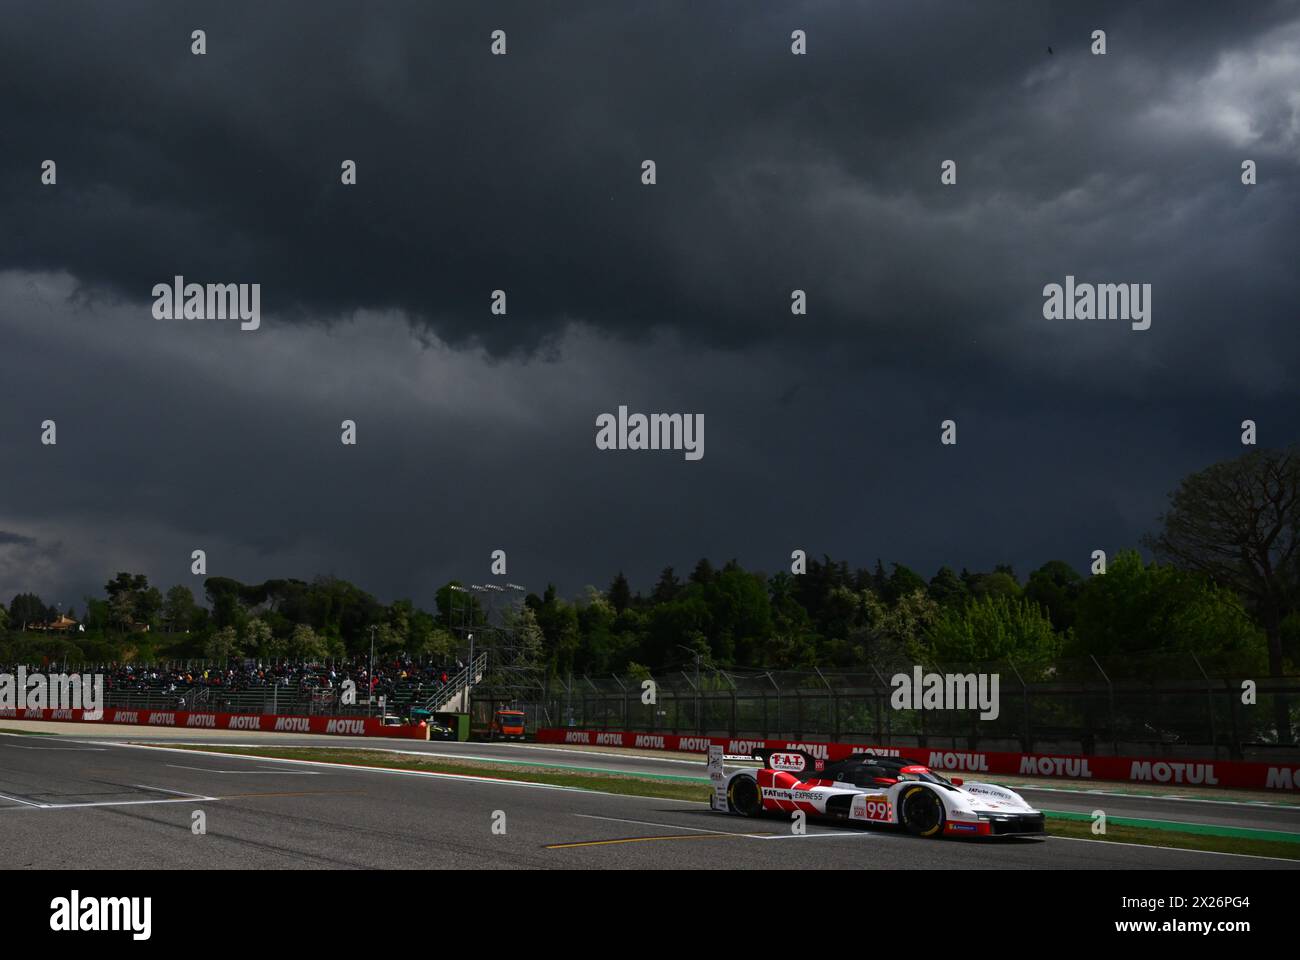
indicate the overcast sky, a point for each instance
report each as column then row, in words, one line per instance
column 523, row 173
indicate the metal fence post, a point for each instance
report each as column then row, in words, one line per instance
column 1114, row 732
column 1026, row 729
column 623, row 723
column 1209, row 704
column 777, row 688
column 835, row 706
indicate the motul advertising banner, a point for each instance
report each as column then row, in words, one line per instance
column 1162, row 770
column 342, row 726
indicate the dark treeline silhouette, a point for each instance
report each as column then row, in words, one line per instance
column 1198, row 598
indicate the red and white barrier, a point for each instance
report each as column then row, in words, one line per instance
column 1213, row 773
column 195, row 720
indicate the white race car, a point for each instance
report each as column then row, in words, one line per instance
column 871, row 789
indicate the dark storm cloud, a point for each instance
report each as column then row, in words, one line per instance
column 522, row 173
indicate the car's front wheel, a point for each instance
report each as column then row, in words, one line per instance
column 922, row 812
column 743, row 797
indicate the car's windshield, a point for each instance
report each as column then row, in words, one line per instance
column 927, row 776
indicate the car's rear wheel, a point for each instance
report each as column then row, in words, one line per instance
column 743, row 797
column 922, row 812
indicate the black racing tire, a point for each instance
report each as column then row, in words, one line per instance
column 744, row 798
column 921, row 812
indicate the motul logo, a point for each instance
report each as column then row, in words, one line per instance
column 1282, row 778
column 244, row 723
column 202, row 720
column 609, row 739
column 694, row 744
column 345, row 726
column 61, row 715
column 745, row 748
column 817, row 750
column 126, row 716
column 1162, row 772
column 162, row 719
column 577, row 736
column 1056, row 766
column 656, row 743
column 292, row 723
column 959, row 761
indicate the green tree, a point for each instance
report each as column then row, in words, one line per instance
column 148, row 606
column 1137, row 608
column 667, row 587
column 902, row 582
column 1238, row 522
column 258, row 637
column 1056, row 586
column 222, row 645
column 305, row 644
column 994, row 627
column 179, row 609
column 126, row 600
column 26, row 609
column 999, row 583
column 620, row 594
column 899, row 632
column 947, row 589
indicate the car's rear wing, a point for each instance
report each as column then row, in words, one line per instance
column 797, row 762
column 718, row 779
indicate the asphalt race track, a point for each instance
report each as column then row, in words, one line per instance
column 97, row 803
column 1064, row 796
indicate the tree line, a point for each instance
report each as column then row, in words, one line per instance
column 1223, row 585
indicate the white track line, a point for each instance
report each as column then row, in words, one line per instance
column 29, row 803
column 1265, row 804
column 178, row 793
column 429, row 774
column 282, row 773
column 105, row 803
column 16, row 746
column 1152, row 846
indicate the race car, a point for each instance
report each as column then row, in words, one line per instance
column 871, row 789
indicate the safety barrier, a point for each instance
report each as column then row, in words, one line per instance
column 195, row 720
column 1158, row 770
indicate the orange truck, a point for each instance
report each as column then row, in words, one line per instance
column 507, row 725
